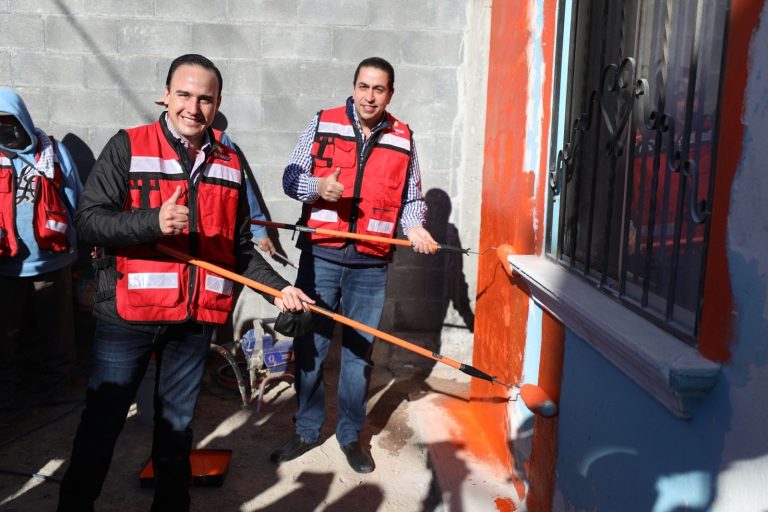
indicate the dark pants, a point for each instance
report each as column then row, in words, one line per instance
column 120, row 359
column 36, row 315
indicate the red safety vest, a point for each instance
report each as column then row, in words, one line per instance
column 156, row 288
column 50, row 220
column 373, row 191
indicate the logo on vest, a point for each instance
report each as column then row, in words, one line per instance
column 217, row 153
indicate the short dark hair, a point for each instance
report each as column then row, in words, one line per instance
column 378, row 63
column 193, row 59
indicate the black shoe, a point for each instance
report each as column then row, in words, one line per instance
column 361, row 461
column 293, row 448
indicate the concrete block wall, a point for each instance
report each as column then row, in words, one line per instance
column 89, row 67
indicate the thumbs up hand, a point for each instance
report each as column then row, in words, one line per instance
column 329, row 187
column 174, row 218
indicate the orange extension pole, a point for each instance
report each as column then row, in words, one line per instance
column 469, row 370
column 354, row 236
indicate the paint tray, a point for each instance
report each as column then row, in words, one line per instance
column 208, row 468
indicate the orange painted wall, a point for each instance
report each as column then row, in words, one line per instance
column 718, row 308
column 506, row 217
column 512, row 204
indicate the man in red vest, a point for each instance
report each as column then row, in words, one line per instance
column 354, row 169
column 168, row 182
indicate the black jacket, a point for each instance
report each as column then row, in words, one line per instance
column 101, row 222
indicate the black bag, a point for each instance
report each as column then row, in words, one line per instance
column 293, row 324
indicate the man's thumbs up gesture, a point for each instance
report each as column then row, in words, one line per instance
column 174, row 218
column 329, row 187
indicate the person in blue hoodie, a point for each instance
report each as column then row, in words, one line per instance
column 39, row 190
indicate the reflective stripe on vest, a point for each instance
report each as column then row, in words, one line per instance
column 158, row 280
column 59, row 227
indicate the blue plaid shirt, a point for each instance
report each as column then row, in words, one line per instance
column 299, row 183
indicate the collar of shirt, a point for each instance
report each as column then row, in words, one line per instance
column 381, row 124
column 200, row 157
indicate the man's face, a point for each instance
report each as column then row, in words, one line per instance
column 193, row 101
column 371, row 95
column 12, row 133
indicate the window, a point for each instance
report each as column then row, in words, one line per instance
column 632, row 154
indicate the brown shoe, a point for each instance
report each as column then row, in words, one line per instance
column 358, row 459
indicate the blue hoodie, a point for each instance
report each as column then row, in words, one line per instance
column 31, row 260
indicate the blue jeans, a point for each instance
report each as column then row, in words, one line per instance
column 121, row 356
column 359, row 292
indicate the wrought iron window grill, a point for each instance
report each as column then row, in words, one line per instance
column 631, row 186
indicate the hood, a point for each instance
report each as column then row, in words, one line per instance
column 11, row 103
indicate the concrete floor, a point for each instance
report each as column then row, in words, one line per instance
column 38, row 440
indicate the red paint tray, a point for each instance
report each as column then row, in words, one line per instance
column 208, row 468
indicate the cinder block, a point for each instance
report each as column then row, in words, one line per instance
column 243, row 77
column 266, row 147
column 451, row 15
column 264, row 11
column 426, row 83
column 226, row 40
column 137, row 73
column 147, row 37
column 242, row 111
column 139, row 108
column 432, row 177
column 120, row 8
column 434, row 117
column 280, row 77
column 99, row 135
column 415, row 281
column 287, row 113
column 22, row 31
column 5, row 69
column 43, row 6
column 36, row 99
column 354, row 45
column 400, row 14
column 285, row 209
column 80, row 34
column 269, row 180
column 436, row 151
column 418, row 315
column 30, row 68
column 304, row 43
column 85, row 107
column 333, row 12
column 73, row 139
column 193, row 10
column 326, row 79
column 432, row 48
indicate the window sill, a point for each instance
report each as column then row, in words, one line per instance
column 672, row 372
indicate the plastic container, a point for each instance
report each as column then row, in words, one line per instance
column 277, row 356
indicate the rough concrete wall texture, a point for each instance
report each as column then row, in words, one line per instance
column 89, row 67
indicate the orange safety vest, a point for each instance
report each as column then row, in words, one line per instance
column 50, row 220
column 373, row 187
column 153, row 288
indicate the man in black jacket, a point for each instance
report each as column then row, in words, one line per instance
column 169, row 182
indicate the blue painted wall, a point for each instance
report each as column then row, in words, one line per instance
column 618, row 449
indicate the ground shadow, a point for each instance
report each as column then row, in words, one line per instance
column 420, row 290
